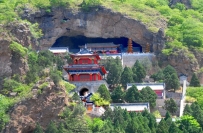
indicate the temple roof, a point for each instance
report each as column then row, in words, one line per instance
column 98, row 45
column 84, row 51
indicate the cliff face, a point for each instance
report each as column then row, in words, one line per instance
column 10, row 63
column 100, row 22
column 39, row 109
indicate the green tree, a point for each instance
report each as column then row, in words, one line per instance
column 174, row 129
column 51, row 128
column 133, row 95
column 75, row 97
column 158, row 76
column 174, row 82
column 171, row 78
column 162, row 127
column 148, row 95
column 104, row 93
column 61, row 128
column 171, row 106
column 126, row 76
column 194, row 81
column 189, row 124
column 117, row 95
column 139, row 70
column 187, row 110
column 114, row 67
column 38, row 129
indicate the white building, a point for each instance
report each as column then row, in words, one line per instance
column 131, row 107
column 158, row 88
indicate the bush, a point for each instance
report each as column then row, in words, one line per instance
column 18, row 48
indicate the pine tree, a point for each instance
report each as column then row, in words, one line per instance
column 187, row 110
column 133, row 95
column 162, row 127
column 61, row 128
column 104, row 93
column 75, row 97
column 170, row 105
column 126, row 76
column 174, row 82
column 171, row 78
column 139, row 71
column 51, row 128
column 38, row 129
column 117, row 95
column 194, row 81
column 174, row 129
column 148, row 95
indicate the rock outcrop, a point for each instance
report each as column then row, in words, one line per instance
column 187, row 3
column 10, row 64
column 39, row 109
column 100, row 22
column 182, row 60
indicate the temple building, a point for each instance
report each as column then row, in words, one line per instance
column 107, row 48
column 85, row 72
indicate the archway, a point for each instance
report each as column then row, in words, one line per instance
column 74, row 42
column 83, row 91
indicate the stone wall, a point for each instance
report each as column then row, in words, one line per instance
column 130, row 59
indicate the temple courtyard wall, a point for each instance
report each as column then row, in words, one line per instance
column 129, row 59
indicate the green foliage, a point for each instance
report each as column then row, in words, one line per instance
column 35, row 31
column 75, row 97
column 196, row 92
column 5, row 104
column 157, row 114
column 187, row 110
column 171, row 106
column 158, row 76
column 133, row 95
column 104, row 92
column 189, row 124
column 114, row 67
column 148, row 95
column 139, row 70
column 117, row 95
column 171, row 78
column 38, row 129
column 51, row 128
column 126, row 76
column 44, row 85
column 98, row 100
column 18, row 48
column 194, row 81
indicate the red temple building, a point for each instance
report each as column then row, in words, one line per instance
column 107, row 48
column 85, row 67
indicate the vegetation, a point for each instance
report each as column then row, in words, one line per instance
column 194, row 81
column 18, row 48
column 196, row 93
column 104, row 92
column 171, row 106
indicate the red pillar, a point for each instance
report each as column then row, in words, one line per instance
column 78, row 76
column 90, row 76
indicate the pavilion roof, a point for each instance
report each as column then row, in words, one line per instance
column 85, row 52
column 99, row 45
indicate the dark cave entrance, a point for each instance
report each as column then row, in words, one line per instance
column 74, row 42
column 83, row 91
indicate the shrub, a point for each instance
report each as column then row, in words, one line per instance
column 18, row 48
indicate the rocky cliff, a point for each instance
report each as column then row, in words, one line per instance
column 100, row 22
column 11, row 64
column 40, row 108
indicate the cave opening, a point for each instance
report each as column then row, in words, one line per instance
column 74, row 42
